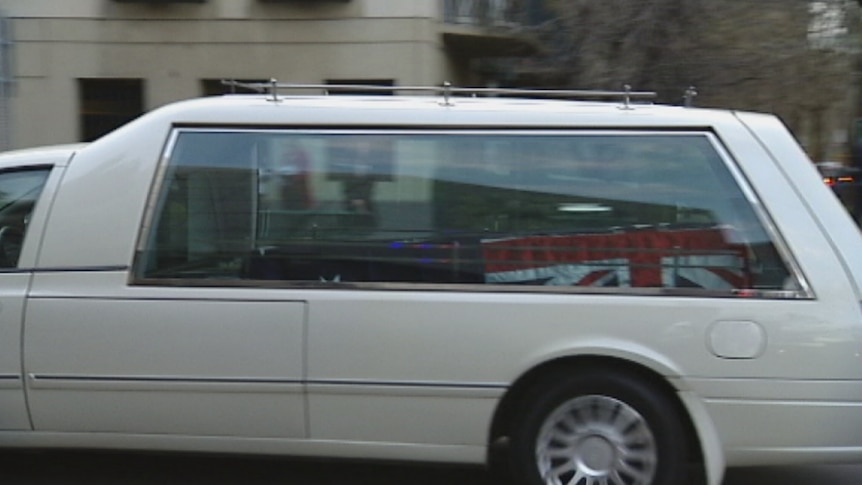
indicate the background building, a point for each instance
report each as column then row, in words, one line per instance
column 72, row 70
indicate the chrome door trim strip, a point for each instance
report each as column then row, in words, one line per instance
column 485, row 390
column 10, row 381
column 449, row 384
column 241, row 384
column 163, row 383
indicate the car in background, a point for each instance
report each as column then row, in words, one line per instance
column 844, row 181
column 836, row 174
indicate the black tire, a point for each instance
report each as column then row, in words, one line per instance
column 598, row 425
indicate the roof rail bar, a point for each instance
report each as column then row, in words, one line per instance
column 446, row 89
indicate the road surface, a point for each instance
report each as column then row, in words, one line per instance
column 99, row 468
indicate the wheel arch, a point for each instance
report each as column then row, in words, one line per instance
column 698, row 426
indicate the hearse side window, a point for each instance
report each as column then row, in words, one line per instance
column 19, row 191
column 554, row 210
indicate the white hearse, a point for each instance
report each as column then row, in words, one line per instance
column 580, row 291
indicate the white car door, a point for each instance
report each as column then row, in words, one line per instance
column 167, row 361
column 185, row 353
column 19, row 190
column 13, row 410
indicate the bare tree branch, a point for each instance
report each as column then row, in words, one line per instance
column 797, row 58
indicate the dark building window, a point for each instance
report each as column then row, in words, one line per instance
column 107, row 104
column 215, row 87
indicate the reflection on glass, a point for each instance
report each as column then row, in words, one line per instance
column 562, row 209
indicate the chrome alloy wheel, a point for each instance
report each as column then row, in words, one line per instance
column 596, row 440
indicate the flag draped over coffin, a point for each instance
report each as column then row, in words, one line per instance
column 652, row 257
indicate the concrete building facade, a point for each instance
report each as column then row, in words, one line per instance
column 74, row 69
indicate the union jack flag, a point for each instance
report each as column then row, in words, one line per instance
column 652, row 257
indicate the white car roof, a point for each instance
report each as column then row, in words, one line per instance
column 48, row 155
column 429, row 111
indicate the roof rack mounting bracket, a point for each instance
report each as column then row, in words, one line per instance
column 273, row 90
column 447, row 93
column 688, row 97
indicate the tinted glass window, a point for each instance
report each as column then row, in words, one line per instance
column 19, row 191
column 558, row 210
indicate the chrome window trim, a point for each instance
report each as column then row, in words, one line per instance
column 145, row 230
column 804, row 293
column 469, row 288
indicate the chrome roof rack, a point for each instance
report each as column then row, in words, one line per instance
column 274, row 88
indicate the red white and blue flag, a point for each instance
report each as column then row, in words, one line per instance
column 654, row 257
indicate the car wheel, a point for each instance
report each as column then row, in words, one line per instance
column 599, row 428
